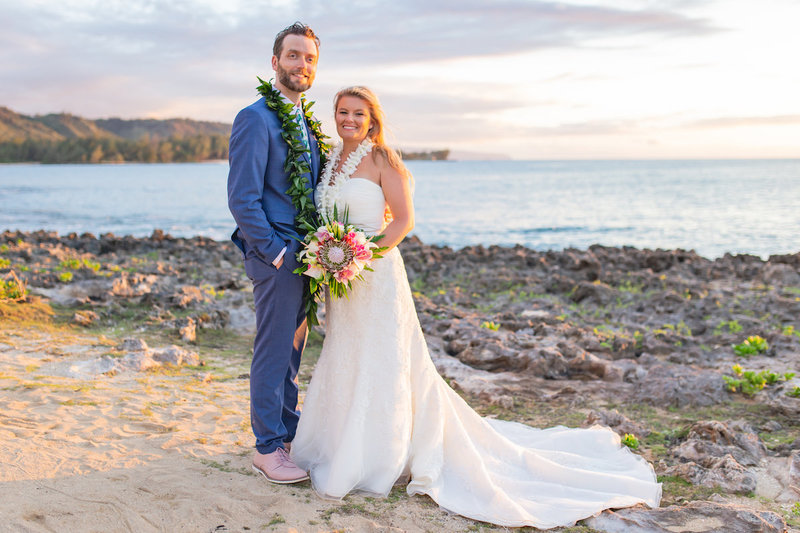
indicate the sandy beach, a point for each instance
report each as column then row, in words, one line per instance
column 100, row 433
column 162, row 450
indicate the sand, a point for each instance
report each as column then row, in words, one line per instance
column 151, row 451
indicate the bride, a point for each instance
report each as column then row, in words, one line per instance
column 377, row 410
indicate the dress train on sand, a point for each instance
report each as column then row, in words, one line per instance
column 377, row 411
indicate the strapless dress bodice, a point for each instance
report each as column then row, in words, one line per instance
column 362, row 198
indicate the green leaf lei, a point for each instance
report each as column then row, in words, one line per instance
column 296, row 166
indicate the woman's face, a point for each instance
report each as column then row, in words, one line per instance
column 352, row 118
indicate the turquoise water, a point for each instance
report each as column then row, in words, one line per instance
column 713, row 207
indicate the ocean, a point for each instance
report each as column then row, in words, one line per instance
column 710, row 206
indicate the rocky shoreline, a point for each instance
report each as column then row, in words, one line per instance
column 651, row 343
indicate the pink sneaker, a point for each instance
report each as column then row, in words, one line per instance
column 277, row 467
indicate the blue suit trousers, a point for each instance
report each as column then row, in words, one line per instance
column 281, row 335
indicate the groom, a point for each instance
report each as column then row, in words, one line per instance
column 267, row 236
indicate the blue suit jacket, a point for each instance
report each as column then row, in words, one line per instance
column 257, row 183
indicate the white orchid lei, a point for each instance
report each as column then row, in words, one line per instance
column 336, row 253
column 332, row 181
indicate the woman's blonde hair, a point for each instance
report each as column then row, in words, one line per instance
column 377, row 132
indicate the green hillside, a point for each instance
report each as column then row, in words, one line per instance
column 66, row 138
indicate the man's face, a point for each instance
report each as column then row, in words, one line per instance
column 297, row 65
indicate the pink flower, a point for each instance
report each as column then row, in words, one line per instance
column 322, row 234
column 363, row 254
column 312, row 247
column 345, row 275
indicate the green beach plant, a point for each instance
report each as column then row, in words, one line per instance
column 630, row 441
column 753, row 345
column 733, row 326
column 678, row 329
column 12, row 289
column 790, row 331
column 77, row 264
column 749, row 382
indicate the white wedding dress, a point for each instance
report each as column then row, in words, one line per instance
column 377, row 411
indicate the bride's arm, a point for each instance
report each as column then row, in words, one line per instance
column 397, row 191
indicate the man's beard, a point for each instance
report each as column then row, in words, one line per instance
column 284, row 76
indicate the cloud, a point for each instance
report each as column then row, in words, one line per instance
column 199, row 58
column 420, row 30
column 89, row 38
column 735, row 122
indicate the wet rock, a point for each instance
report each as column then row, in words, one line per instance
column 187, row 329
column 175, row 356
column 715, row 454
column 547, row 362
column 138, row 362
column 779, row 402
column 490, row 354
column 187, row 295
column 133, row 344
column 771, row 426
column 85, row 318
column 697, row 517
column 780, row 274
column 488, row 386
column 587, row 365
column 709, row 440
column 794, row 470
column 593, row 292
column 242, row 319
column 130, row 286
column 680, row 386
column 723, row 473
column 628, row 370
column 616, row 421
column 76, row 293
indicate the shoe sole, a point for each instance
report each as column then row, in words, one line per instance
column 279, row 481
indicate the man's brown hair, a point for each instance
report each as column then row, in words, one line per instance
column 298, row 28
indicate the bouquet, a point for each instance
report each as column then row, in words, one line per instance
column 335, row 254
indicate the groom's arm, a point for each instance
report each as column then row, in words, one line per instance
column 248, row 153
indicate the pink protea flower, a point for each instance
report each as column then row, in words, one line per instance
column 334, row 255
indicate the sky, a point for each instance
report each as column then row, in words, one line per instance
column 526, row 79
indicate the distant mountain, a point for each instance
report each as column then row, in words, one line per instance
column 136, row 129
column 67, row 138
column 58, row 127
column 14, row 126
